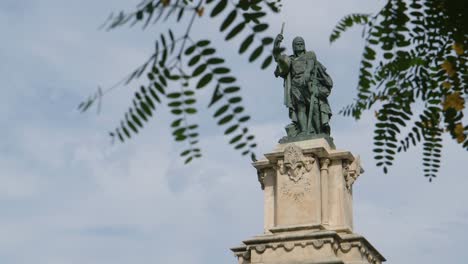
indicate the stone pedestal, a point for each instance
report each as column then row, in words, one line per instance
column 308, row 208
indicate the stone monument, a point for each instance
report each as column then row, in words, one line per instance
column 307, row 182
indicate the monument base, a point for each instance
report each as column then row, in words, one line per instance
column 308, row 214
column 304, row 245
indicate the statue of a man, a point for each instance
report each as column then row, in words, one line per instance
column 306, row 88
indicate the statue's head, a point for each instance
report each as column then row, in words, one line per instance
column 298, row 45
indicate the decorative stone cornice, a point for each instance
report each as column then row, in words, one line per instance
column 338, row 247
column 340, row 244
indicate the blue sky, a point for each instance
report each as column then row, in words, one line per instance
column 68, row 196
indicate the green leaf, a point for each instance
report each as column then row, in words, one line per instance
column 125, row 130
column 221, row 110
column 174, row 95
column 221, row 70
column 388, row 55
column 267, row 41
column 167, row 73
column 253, row 157
column 190, row 49
column 119, row 135
column 208, row 51
column 149, row 8
column 141, row 114
column 191, row 111
column 199, row 70
column 267, row 62
column 244, row 119
column 192, row 127
column 132, row 126
column 225, row 119
column 215, row 61
column 174, row 104
column 162, row 80
column 204, row 80
column 189, row 101
column 176, row 122
column 179, row 131
column 194, row 60
column 176, row 111
column 231, row 129
column 136, row 120
column 185, row 153
column 228, row 21
column 236, row 30
column 246, row 43
column 137, row 95
column 232, row 89
column 163, row 41
column 256, row 53
column 188, row 160
column 189, row 93
column 203, row 43
column 235, row 139
column 159, row 88
column 193, row 135
column 219, row 8
column 227, row 80
column 139, row 15
column 235, row 100
column 180, row 15
column 260, row 27
column 241, row 145
column 146, row 108
column 238, row 109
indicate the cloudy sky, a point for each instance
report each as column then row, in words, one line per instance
column 68, row 196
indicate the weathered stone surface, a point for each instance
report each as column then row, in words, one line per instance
column 320, row 246
column 308, row 213
column 306, row 183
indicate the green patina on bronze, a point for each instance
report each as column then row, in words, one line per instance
column 306, row 89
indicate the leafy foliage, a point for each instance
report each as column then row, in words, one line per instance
column 415, row 52
column 180, row 66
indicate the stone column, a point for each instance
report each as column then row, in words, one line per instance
column 324, row 181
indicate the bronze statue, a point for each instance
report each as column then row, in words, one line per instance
column 306, row 89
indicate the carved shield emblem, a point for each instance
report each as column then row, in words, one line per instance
column 295, row 164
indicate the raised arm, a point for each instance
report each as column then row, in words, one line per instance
column 277, row 47
column 282, row 69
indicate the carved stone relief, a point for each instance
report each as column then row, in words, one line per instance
column 295, row 164
column 261, row 174
column 351, row 171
